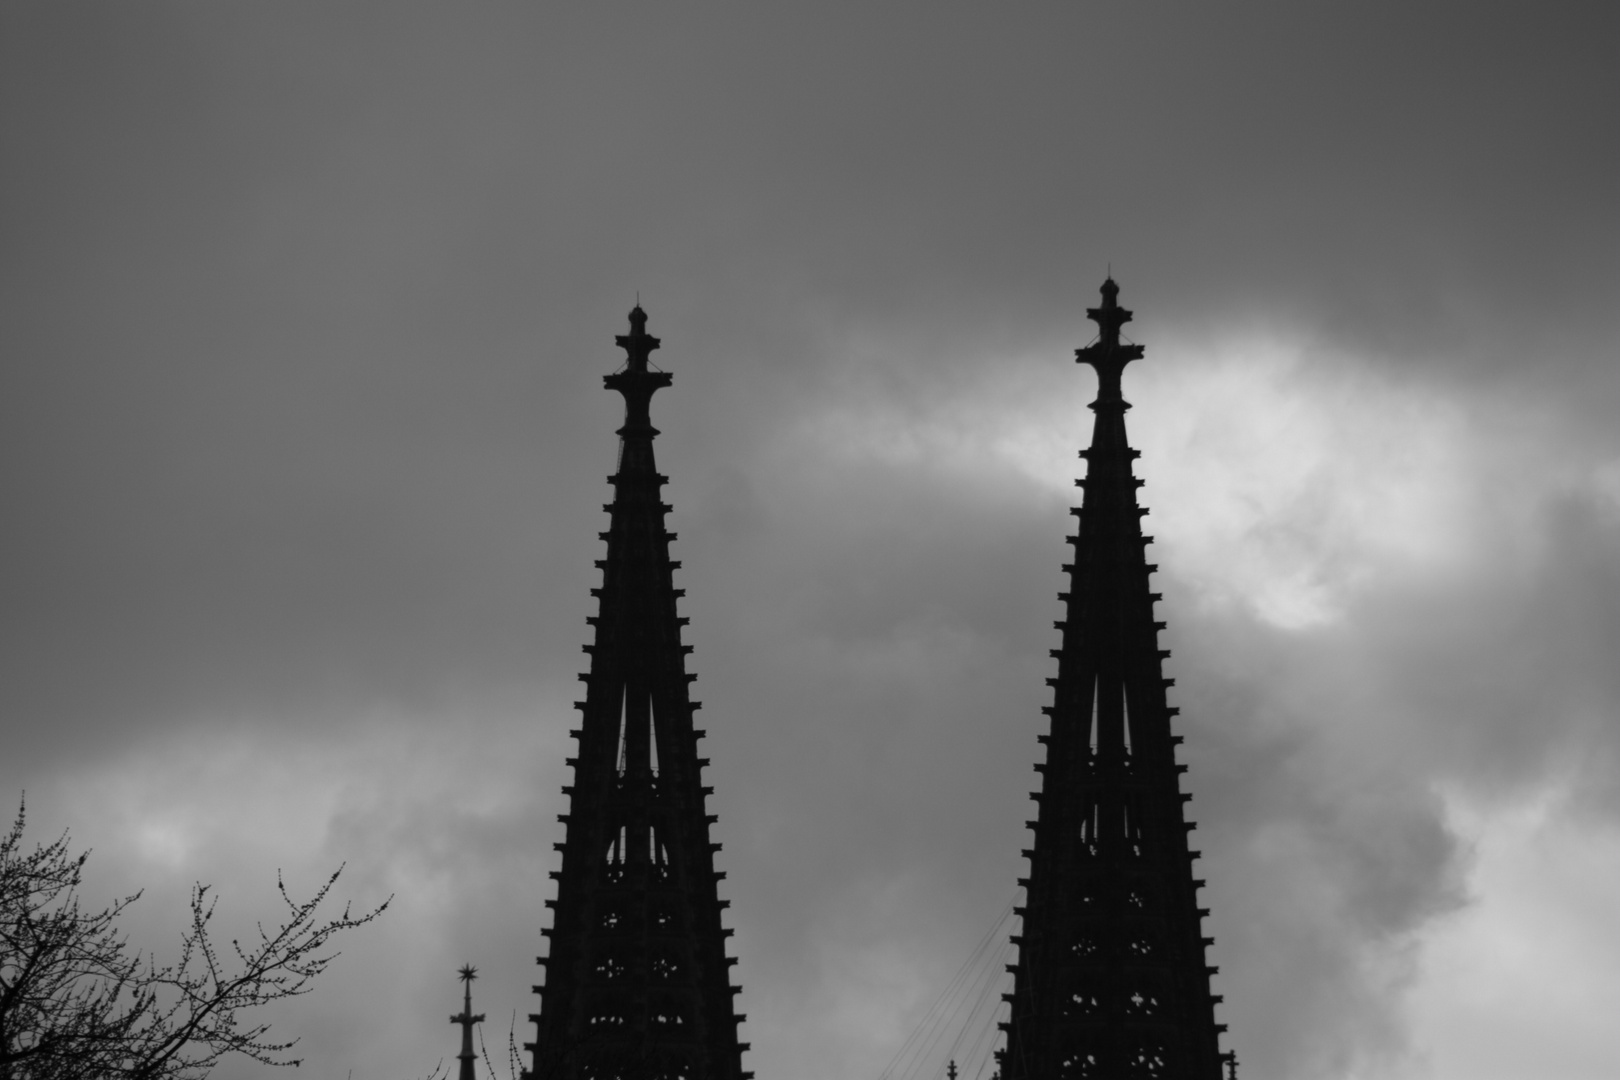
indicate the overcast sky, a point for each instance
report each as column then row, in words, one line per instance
column 303, row 450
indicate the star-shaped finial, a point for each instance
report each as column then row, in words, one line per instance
column 468, row 973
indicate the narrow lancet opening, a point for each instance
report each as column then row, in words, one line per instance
column 1125, row 716
column 652, row 739
column 624, row 726
column 1093, row 719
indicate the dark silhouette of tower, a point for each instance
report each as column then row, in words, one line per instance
column 637, row 981
column 468, row 973
column 1110, row 981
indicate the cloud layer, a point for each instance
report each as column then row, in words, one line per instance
column 303, row 448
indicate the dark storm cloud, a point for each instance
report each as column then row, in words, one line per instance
column 302, row 439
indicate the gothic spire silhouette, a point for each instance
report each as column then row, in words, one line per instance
column 467, row 1019
column 1110, row 980
column 637, row 980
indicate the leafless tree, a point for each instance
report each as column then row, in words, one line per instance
column 77, row 1003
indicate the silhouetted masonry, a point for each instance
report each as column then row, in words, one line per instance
column 467, row 1019
column 637, row 983
column 1111, row 980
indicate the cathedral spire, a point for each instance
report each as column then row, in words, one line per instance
column 1110, row 980
column 637, row 980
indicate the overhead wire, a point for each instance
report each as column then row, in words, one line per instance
column 963, row 1013
column 977, row 1030
column 904, row 1063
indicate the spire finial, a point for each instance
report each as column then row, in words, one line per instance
column 467, row 1019
column 1107, row 354
column 1110, row 316
column 638, row 344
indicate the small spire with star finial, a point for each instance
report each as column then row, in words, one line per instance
column 468, row 973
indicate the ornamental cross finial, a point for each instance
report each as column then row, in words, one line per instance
column 1107, row 354
column 1110, row 316
column 638, row 344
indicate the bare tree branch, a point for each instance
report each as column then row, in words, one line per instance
column 76, row 1002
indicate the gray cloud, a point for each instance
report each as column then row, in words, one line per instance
column 302, row 445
